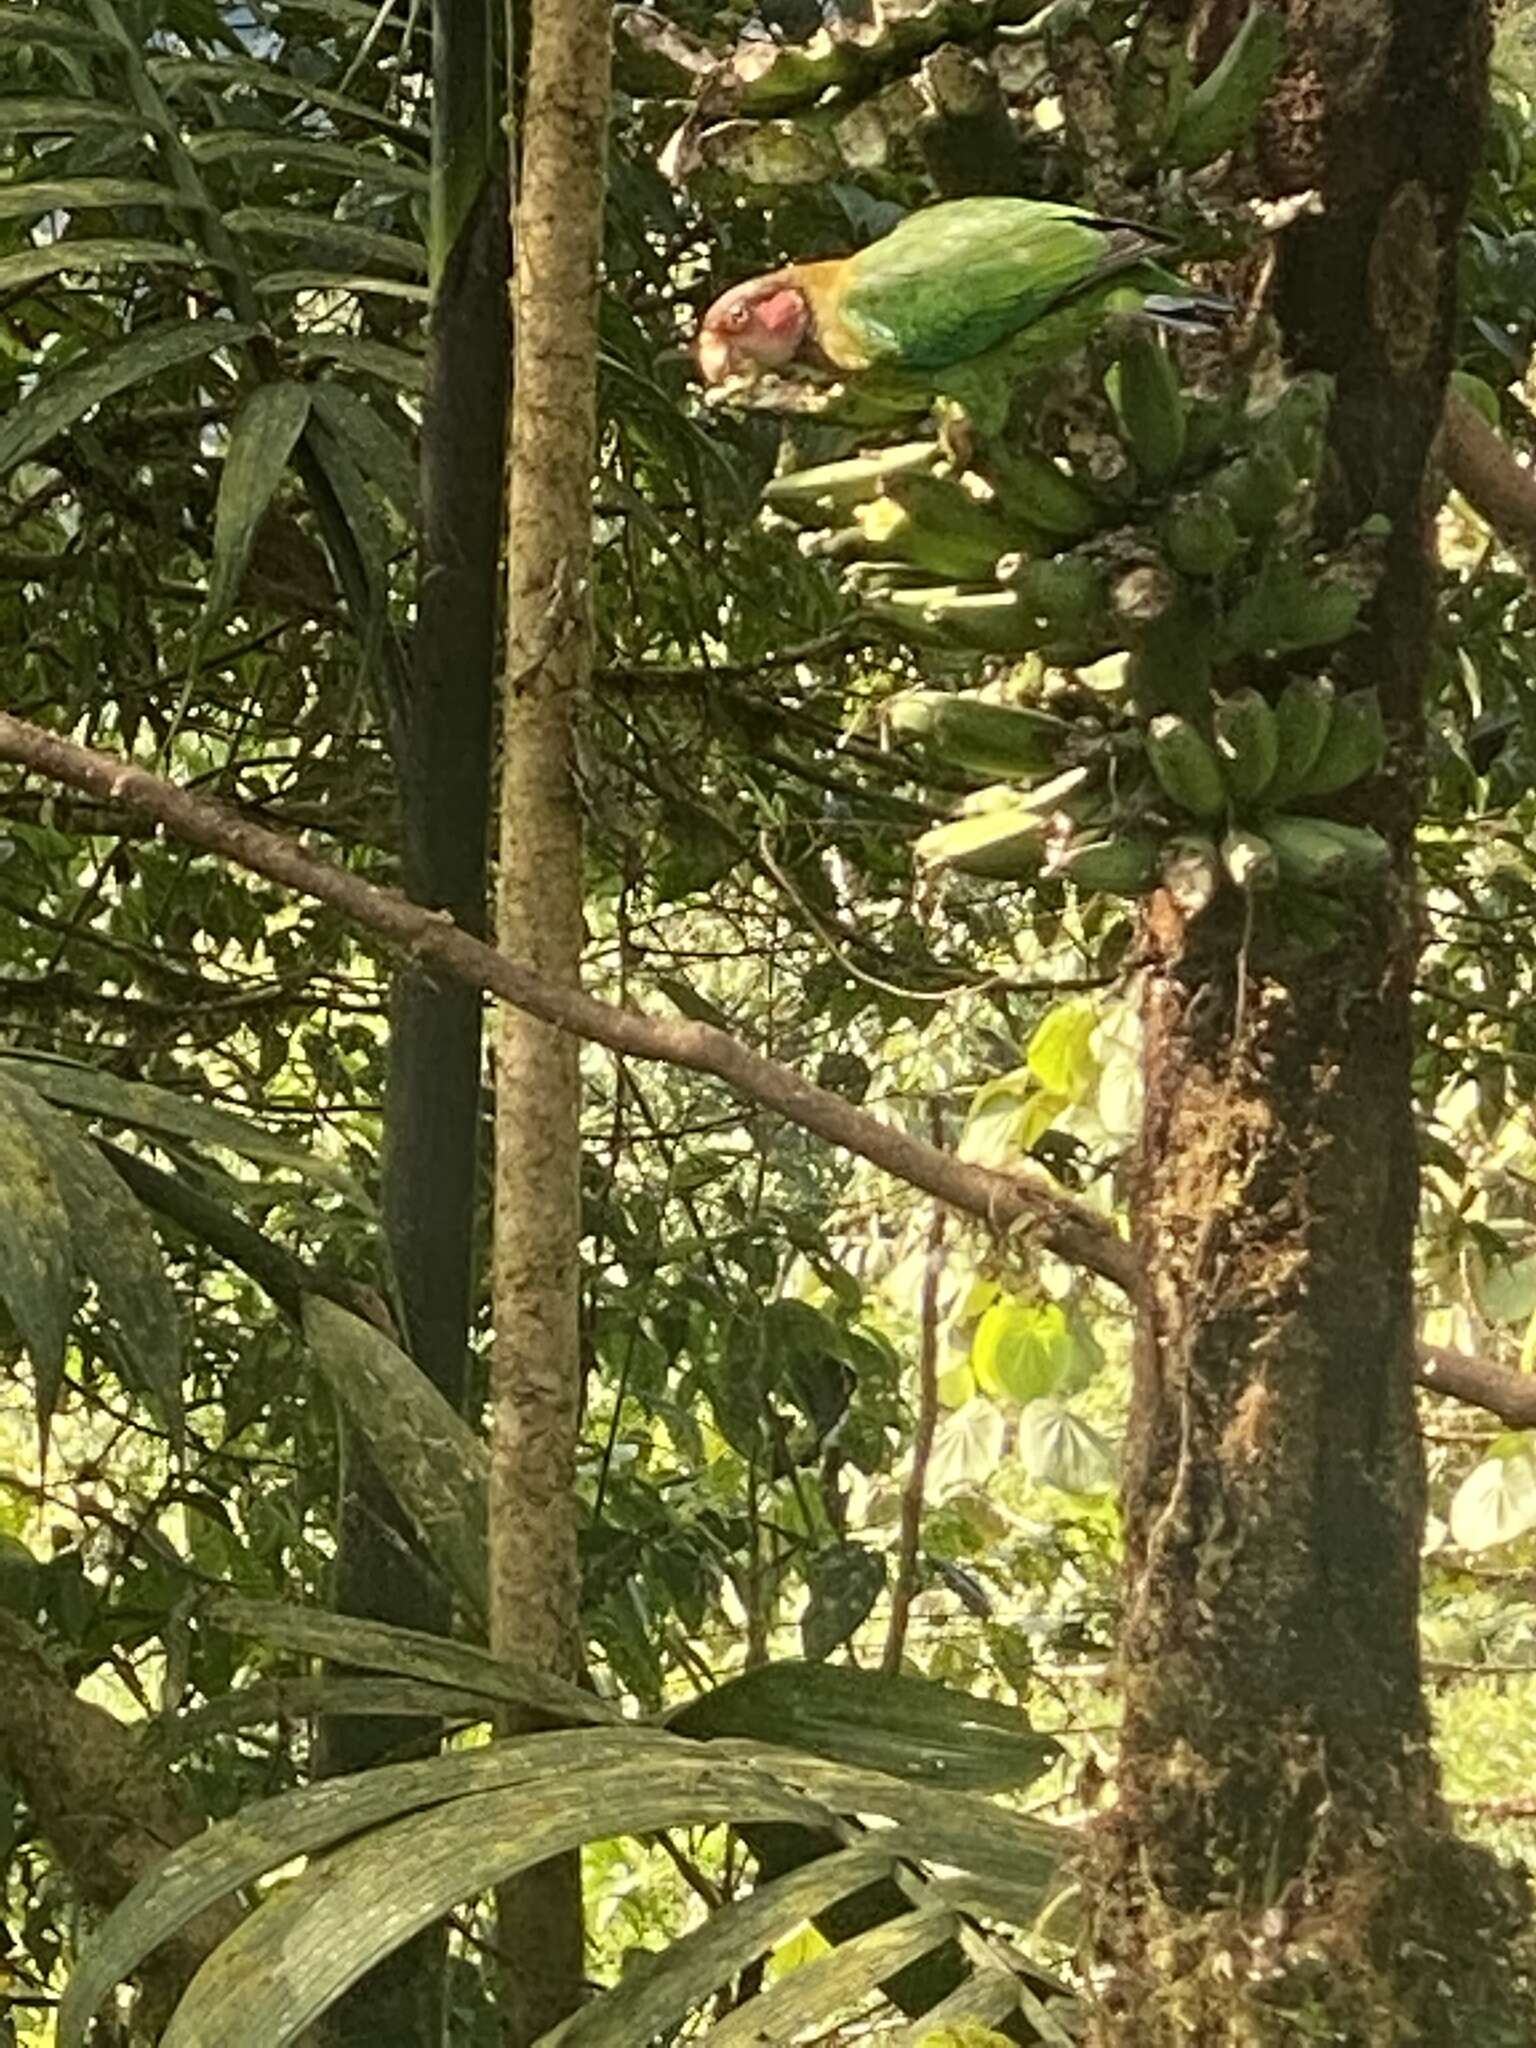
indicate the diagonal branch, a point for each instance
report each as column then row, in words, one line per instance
column 1483, row 468
column 1006, row 1201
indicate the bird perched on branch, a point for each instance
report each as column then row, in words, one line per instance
column 947, row 285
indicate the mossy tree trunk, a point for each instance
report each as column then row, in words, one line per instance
column 536, row 1384
column 1279, row 1868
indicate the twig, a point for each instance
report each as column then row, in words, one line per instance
column 922, row 1449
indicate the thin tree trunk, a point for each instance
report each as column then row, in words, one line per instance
column 536, row 1376
column 433, row 1096
column 1278, row 1869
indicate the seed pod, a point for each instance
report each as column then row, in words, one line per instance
column 1355, row 746
column 1122, row 864
column 1303, row 714
column 1316, row 853
column 1184, row 764
column 888, row 528
column 1250, row 860
column 1247, row 743
column 813, row 496
column 981, row 737
column 1038, row 492
column 1149, row 406
column 1226, row 103
column 1191, row 872
column 1003, row 845
column 1200, row 536
column 1170, row 668
column 1297, row 422
column 1256, row 488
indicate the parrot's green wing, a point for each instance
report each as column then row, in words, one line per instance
column 956, row 279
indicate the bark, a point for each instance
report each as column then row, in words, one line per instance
column 1278, row 1868
column 536, row 1376
column 108, row 1812
column 433, row 1095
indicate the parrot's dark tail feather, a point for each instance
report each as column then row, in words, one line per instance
column 1197, row 312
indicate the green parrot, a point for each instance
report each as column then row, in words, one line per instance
column 953, row 284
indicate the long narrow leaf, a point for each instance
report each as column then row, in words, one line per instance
column 39, row 114
column 145, row 1107
column 383, row 454
column 296, row 1699
column 283, row 284
column 985, row 1998
column 366, row 166
column 397, row 367
column 273, row 1831
column 45, row 25
column 292, row 229
column 58, row 401
column 91, row 257
column 304, row 1945
column 431, row 1460
column 909, row 1726
column 410, row 1653
column 265, row 433
column 115, row 1246
column 659, row 1991
column 37, row 1254
column 247, row 74
column 833, row 1985
column 30, row 197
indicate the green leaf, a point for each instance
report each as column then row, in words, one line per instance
column 397, row 367
column 430, row 1458
column 145, row 1107
column 1505, row 1289
column 844, row 1582
column 265, row 432
column 93, row 257
column 1496, row 1502
column 115, row 1246
column 38, row 1281
column 292, row 229
column 967, row 1446
column 910, row 1727
column 383, row 455
column 33, row 114
column 28, row 197
column 1022, row 1350
column 367, row 166
column 287, row 284
column 47, row 25
column 656, row 1994
column 1060, row 1054
column 1057, row 1448
column 407, row 1653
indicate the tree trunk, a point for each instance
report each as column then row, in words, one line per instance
column 1278, row 1869
column 537, row 1378
column 433, row 1099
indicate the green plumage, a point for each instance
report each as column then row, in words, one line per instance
column 954, row 280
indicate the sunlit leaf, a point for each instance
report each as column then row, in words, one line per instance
column 1495, row 1503
column 1060, row 1054
column 967, row 1446
column 1057, row 1448
column 90, row 258
column 1022, row 1349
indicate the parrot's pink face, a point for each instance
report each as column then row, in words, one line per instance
column 756, row 326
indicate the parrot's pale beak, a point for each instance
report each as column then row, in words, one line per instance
column 714, row 354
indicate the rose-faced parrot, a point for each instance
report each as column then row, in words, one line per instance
column 947, row 285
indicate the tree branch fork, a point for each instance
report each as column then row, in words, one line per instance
column 1022, row 1205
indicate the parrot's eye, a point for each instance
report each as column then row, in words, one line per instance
column 738, row 318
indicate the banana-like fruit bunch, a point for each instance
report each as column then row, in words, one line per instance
column 1253, row 782
column 1120, row 809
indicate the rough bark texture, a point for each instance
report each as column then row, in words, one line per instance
column 107, row 1810
column 433, row 1098
column 1277, row 1869
column 536, row 1385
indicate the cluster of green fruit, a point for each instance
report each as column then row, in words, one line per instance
column 1126, row 808
column 1193, row 553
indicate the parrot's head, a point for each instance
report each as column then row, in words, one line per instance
column 756, row 326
